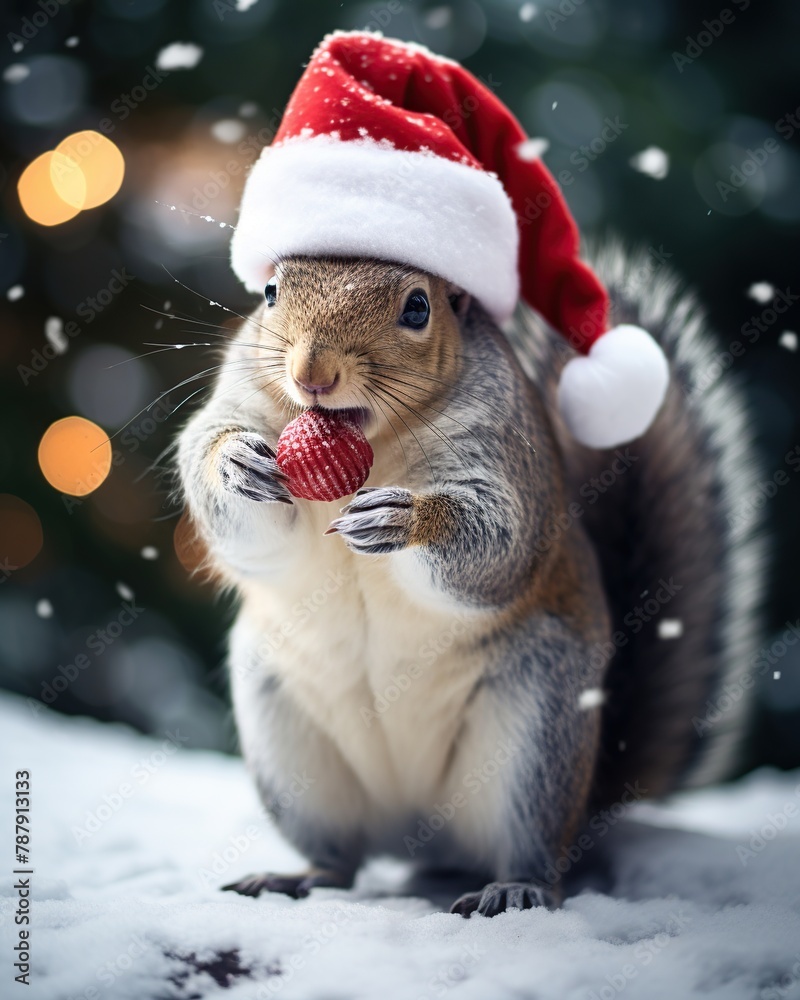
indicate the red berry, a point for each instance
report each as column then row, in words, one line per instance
column 325, row 454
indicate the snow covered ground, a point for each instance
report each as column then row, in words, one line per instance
column 132, row 836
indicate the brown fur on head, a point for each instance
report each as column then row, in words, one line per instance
column 337, row 322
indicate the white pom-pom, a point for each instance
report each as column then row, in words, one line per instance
column 612, row 395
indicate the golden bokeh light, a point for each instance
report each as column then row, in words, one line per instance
column 68, row 180
column 100, row 161
column 20, row 533
column 39, row 198
column 75, row 456
column 85, row 170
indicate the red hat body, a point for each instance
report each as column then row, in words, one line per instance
column 388, row 151
column 362, row 89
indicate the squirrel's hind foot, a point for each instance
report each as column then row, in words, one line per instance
column 497, row 897
column 297, row 886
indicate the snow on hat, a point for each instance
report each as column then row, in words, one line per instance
column 388, row 151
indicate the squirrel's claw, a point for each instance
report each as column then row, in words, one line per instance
column 497, row 897
column 370, row 497
column 247, row 468
column 296, row 886
column 377, row 520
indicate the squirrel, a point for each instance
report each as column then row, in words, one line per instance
column 504, row 631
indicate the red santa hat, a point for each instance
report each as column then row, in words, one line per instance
column 389, row 151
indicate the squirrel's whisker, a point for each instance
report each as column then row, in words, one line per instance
column 372, row 395
column 421, row 402
column 208, row 371
column 400, row 417
column 431, row 426
column 227, row 334
column 149, row 354
column 476, row 399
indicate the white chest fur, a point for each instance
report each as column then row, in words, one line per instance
column 385, row 677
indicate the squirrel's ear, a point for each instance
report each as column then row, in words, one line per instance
column 458, row 299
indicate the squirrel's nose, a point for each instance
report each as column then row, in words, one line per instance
column 318, row 387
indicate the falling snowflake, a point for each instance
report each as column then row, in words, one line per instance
column 761, row 291
column 124, row 591
column 149, row 552
column 16, row 72
column 788, row 340
column 532, row 149
column 670, row 628
column 179, row 55
column 652, row 161
column 54, row 331
column 438, row 17
column 44, row 609
column 590, row 698
column 228, row 130
column 15, row 292
column 527, row 12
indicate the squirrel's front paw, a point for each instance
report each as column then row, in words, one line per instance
column 247, row 468
column 377, row 520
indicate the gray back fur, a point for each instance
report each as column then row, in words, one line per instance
column 673, row 508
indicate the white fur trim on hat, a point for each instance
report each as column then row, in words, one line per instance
column 320, row 196
column 612, row 395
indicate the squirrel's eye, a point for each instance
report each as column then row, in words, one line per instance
column 416, row 311
column 271, row 291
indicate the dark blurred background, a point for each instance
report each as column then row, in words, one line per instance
column 99, row 614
